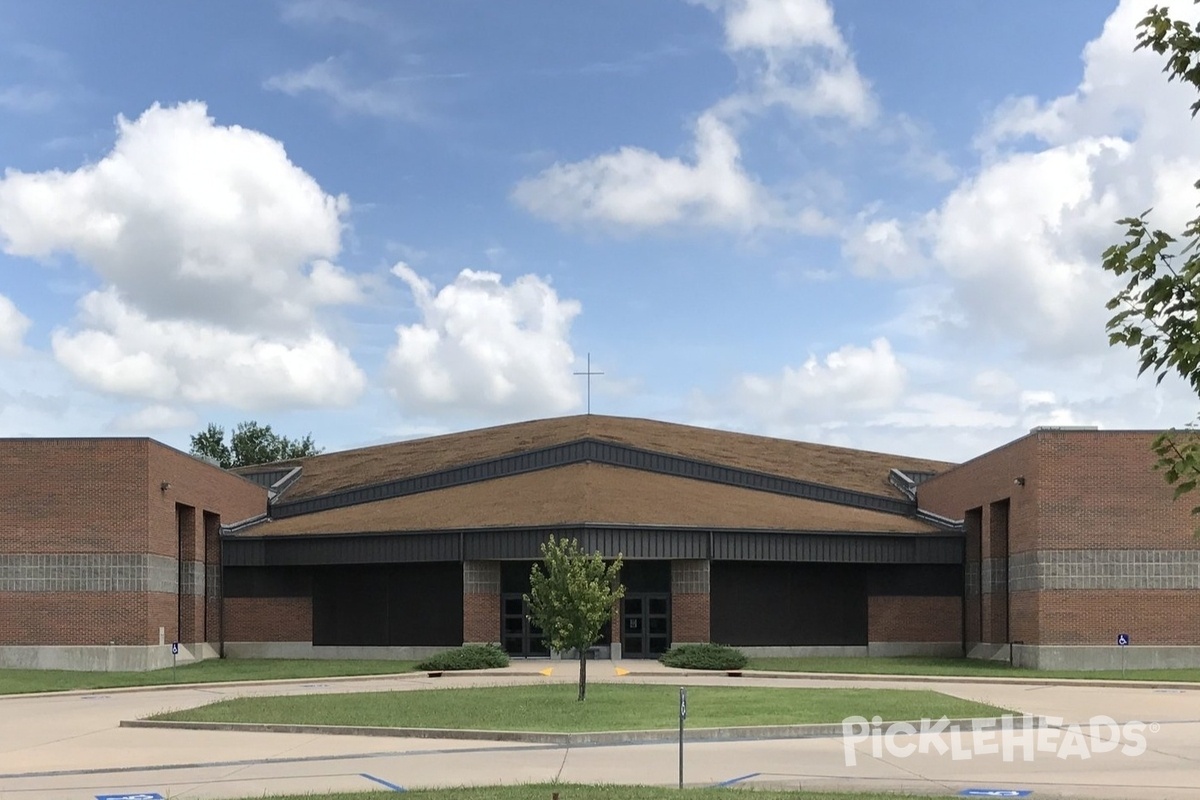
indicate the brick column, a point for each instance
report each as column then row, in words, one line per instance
column 481, row 602
column 689, row 601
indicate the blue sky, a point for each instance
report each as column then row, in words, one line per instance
column 876, row 225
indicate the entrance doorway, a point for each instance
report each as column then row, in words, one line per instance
column 521, row 636
column 645, row 624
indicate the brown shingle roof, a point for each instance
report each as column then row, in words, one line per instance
column 591, row 493
column 858, row 470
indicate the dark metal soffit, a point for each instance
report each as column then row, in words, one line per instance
column 598, row 452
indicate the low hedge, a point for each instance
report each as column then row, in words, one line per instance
column 704, row 656
column 470, row 656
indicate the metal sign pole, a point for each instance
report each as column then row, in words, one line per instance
column 682, row 717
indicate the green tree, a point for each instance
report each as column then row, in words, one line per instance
column 250, row 443
column 573, row 598
column 1158, row 310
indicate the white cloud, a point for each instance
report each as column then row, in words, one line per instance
column 794, row 56
column 215, row 252
column 1020, row 241
column 124, row 352
column 791, row 54
column 389, row 99
column 485, row 348
column 636, row 188
column 882, row 246
column 13, row 326
column 845, row 382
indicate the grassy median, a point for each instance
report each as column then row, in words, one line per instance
column 17, row 681
column 609, row 707
column 966, row 667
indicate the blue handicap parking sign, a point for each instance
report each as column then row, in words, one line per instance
column 995, row 793
column 133, row 796
column 174, row 648
column 1123, row 639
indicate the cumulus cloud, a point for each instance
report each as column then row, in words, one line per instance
column 848, row 380
column 1017, row 244
column 215, row 253
column 636, row 188
column 13, row 326
column 484, row 347
column 791, row 55
column 795, row 57
column 121, row 350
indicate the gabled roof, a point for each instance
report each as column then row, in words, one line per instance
column 856, row 470
column 592, row 493
column 596, row 469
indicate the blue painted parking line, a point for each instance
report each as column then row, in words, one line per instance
column 995, row 793
column 732, row 781
column 382, row 782
column 131, row 796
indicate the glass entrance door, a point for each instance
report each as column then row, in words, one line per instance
column 645, row 625
column 521, row 636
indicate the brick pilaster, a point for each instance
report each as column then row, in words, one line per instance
column 481, row 602
column 690, row 601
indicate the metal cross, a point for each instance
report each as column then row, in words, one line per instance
column 589, row 375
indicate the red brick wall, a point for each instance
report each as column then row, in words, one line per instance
column 1095, row 617
column 690, row 617
column 481, row 617
column 73, row 618
column 268, row 619
column 73, row 495
column 199, row 485
column 986, row 480
column 1025, row 617
column 1100, row 490
column 914, row 619
column 1083, row 490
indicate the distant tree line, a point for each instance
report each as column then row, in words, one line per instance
column 250, row 443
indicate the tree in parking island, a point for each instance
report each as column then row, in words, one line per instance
column 571, row 596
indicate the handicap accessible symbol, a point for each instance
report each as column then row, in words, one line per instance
column 995, row 793
column 134, row 796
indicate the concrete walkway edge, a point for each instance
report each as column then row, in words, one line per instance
column 581, row 739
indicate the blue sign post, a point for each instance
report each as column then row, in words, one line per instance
column 174, row 662
column 1122, row 642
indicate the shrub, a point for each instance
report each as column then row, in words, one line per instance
column 469, row 656
column 704, row 656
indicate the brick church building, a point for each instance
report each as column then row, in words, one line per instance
column 1039, row 552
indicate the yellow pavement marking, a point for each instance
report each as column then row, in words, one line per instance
column 546, row 671
column 620, row 671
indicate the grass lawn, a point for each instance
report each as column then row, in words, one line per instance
column 609, row 707
column 16, row 681
column 969, row 667
column 569, row 791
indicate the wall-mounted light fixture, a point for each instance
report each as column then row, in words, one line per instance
column 164, row 485
column 1019, row 480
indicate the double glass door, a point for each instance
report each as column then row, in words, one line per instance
column 521, row 636
column 645, row 625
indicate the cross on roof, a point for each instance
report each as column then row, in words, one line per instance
column 589, row 375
